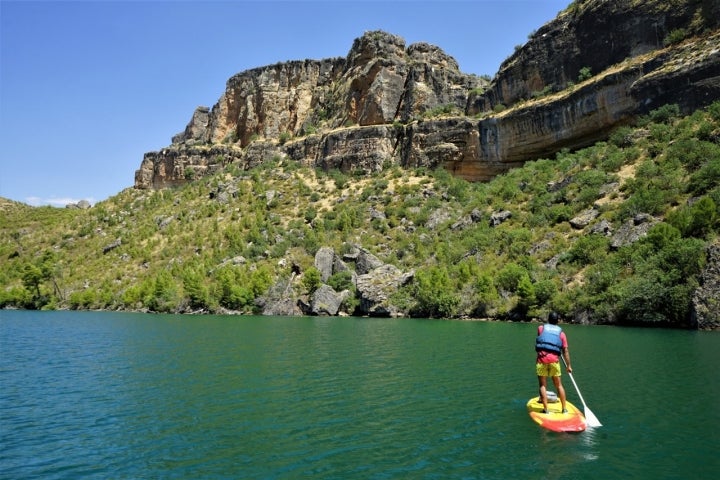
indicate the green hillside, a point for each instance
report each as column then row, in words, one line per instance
column 222, row 242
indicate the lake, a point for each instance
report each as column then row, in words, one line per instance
column 128, row 396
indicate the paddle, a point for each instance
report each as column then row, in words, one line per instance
column 590, row 418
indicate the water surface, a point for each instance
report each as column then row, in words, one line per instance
column 125, row 396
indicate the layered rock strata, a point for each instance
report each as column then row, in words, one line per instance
column 386, row 104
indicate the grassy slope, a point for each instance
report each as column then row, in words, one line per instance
column 176, row 244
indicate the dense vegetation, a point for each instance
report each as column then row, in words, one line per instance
column 220, row 242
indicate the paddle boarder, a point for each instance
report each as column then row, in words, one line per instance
column 550, row 343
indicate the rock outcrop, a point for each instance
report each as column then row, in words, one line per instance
column 372, row 283
column 593, row 35
column 598, row 65
column 705, row 313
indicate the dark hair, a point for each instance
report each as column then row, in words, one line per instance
column 553, row 318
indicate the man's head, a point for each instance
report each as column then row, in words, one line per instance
column 553, row 318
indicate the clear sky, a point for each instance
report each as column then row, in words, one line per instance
column 87, row 87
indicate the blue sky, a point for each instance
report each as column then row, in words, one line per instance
column 87, row 87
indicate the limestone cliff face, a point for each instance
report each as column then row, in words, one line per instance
column 593, row 34
column 263, row 111
column 378, row 82
column 385, row 103
column 269, row 101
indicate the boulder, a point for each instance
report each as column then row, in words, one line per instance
column 375, row 287
column 366, row 262
column 324, row 259
column 602, row 228
column 499, row 217
column 583, row 220
column 112, row 246
column 632, row 230
column 326, row 301
column 283, row 307
column 437, row 218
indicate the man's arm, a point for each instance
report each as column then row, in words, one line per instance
column 566, row 356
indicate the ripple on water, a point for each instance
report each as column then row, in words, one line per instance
column 136, row 396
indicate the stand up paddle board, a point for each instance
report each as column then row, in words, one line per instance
column 555, row 420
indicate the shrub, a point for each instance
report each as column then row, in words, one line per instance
column 341, row 180
column 696, row 220
column 545, row 291
column 714, row 110
column 311, row 280
column 485, row 289
column 613, row 160
column 704, row 216
column 341, row 281
column 662, row 234
column 541, row 93
column 234, row 288
column 509, row 277
column 435, row 293
column 284, row 137
column 526, row 291
column 196, row 289
column 585, row 73
column 692, row 153
column 310, row 214
column 17, row 296
column 665, row 114
column 163, row 297
column 440, row 110
column 83, row 299
column 260, row 280
column 621, row 136
column 706, row 178
column 589, row 249
column 652, row 201
column 675, row 36
column 662, row 280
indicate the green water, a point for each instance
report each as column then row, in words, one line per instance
column 127, row 396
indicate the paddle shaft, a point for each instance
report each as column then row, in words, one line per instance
column 574, row 383
column 578, row 390
column 589, row 415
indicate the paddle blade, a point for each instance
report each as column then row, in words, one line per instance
column 591, row 419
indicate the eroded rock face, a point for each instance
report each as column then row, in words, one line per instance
column 365, row 88
column 376, row 286
column 174, row 166
column 706, row 299
column 592, row 34
column 369, row 109
column 269, row 101
column 379, row 82
column 197, row 127
column 326, row 301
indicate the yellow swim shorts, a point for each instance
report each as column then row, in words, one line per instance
column 548, row 369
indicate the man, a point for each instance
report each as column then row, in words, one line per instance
column 550, row 343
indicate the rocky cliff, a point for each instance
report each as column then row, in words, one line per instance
column 595, row 35
column 599, row 64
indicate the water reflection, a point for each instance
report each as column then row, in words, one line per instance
column 588, row 441
column 566, row 455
